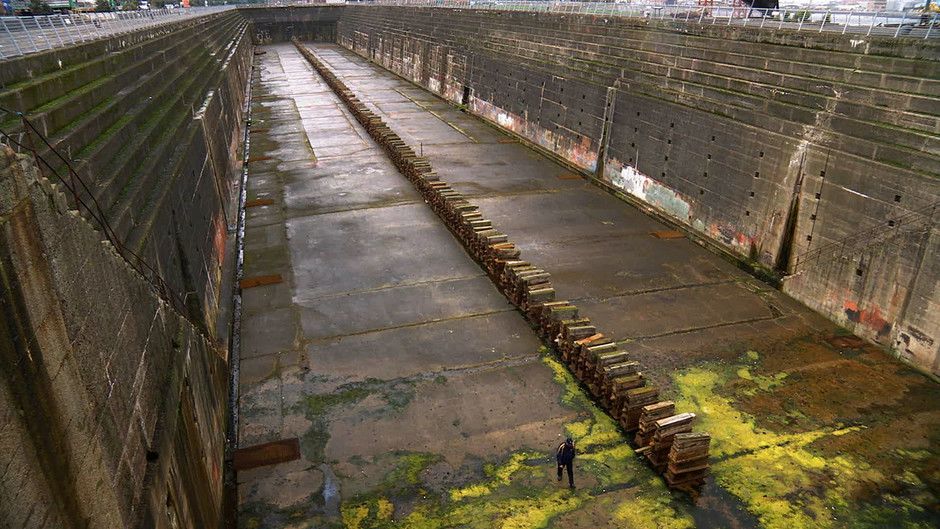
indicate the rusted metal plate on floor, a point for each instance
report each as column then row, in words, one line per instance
column 267, row 454
column 259, row 202
column 569, row 176
column 260, row 281
column 258, row 159
column 667, row 234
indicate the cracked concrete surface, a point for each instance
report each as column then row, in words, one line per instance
column 423, row 396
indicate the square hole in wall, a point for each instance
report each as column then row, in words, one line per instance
column 756, row 174
column 858, row 272
column 666, row 158
column 890, row 223
column 708, row 156
column 635, row 129
column 632, row 144
column 812, row 217
column 705, row 174
column 817, row 196
column 672, row 125
column 747, row 213
column 713, row 138
column 701, row 191
column 668, row 142
column 897, row 198
column 761, row 154
column 822, row 173
column 752, row 193
column 809, row 237
column 664, row 174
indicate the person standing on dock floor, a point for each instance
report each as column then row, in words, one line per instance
column 565, row 458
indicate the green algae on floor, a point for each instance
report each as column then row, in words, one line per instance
column 316, row 408
column 783, row 478
column 510, row 499
column 520, row 491
column 595, row 429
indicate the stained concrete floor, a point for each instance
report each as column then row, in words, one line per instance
column 422, row 399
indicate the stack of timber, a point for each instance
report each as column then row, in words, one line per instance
column 688, row 461
column 608, row 372
column 666, row 430
column 648, row 417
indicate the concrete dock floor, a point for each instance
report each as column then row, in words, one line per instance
column 423, row 399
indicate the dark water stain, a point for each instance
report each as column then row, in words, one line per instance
column 715, row 507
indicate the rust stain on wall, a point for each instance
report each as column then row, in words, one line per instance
column 870, row 318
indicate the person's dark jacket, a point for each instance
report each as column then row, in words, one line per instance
column 565, row 454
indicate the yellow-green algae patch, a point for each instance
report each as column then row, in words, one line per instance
column 507, row 500
column 521, row 492
column 500, row 476
column 761, row 382
column 530, row 512
column 777, row 476
column 652, row 508
column 599, row 428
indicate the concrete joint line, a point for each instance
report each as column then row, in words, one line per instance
column 627, row 293
column 389, row 287
column 404, row 326
column 700, row 328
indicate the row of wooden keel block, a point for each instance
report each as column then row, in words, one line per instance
column 613, row 378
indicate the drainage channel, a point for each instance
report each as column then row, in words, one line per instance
column 230, row 500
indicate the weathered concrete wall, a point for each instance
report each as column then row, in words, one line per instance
column 311, row 24
column 112, row 404
column 770, row 144
column 151, row 123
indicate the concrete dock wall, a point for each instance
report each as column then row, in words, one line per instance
column 112, row 404
column 772, row 145
column 113, row 401
column 310, row 24
column 150, row 122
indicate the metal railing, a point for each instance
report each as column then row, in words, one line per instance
column 22, row 35
column 895, row 24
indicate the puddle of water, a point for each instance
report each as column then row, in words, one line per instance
column 331, row 497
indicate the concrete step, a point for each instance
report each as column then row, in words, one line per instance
column 151, row 142
column 72, row 135
column 30, row 92
column 155, row 177
column 90, row 127
column 95, row 157
column 57, row 114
